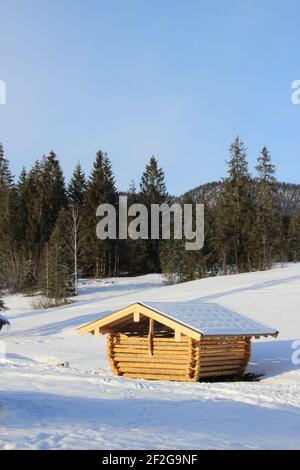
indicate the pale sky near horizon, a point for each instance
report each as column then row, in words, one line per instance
column 178, row 79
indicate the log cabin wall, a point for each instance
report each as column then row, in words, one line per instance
column 168, row 359
column 184, row 360
column 224, row 356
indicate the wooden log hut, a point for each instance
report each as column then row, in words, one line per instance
column 180, row 341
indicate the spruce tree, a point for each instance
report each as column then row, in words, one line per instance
column 5, row 173
column 209, row 261
column 294, row 237
column 133, row 253
column 32, row 200
column 41, row 196
column 77, row 186
column 182, row 265
column 152, row 191
column 236, row 213
column 8, row 250
column 22, row 208
column 267, row 220
column 54, row 193
column 100, row 256
column 58, row 279
column 153, row 186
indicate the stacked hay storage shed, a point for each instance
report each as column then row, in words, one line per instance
column 181, row 341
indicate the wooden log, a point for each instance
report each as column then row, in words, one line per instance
column 151, row 365
column 224, row 338
column 150, row 336
column 207, row 343
column 222, row 354
column 222, row 351
column 174, row 378
column 204, row 362
column 130, row 350
column 143, row 353
column 177, row 336
column 155, row 347
column 198, row 361
column 193, row 360
column 138, row 359
column 136, row 316
column 213, row 368
column 246, row 358
column 184, row 339
column 212, row 357
column 156, row 341
column 222, row 347
column 110, row 353
column 211, row 345
column 144, row 342
column 149, row 370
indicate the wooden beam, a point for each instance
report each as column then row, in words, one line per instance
column 177, row 336
column 173, row 324
column 140, row 375
column 108, row 319
column 136, row 316
column 150, row 336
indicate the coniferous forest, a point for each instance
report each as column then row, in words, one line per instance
column 48, row 226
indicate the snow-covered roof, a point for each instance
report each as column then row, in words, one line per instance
column 210, row 318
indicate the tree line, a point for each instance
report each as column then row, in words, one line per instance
column 245, row 227
column 48, row 228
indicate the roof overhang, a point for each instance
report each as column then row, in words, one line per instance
column 104, row 324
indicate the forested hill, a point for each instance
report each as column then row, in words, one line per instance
column 289, row 194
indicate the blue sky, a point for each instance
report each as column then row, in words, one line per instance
column 178, row 79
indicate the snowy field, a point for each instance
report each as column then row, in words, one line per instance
column 44, row 406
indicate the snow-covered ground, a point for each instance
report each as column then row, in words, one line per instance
column 84, row 406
